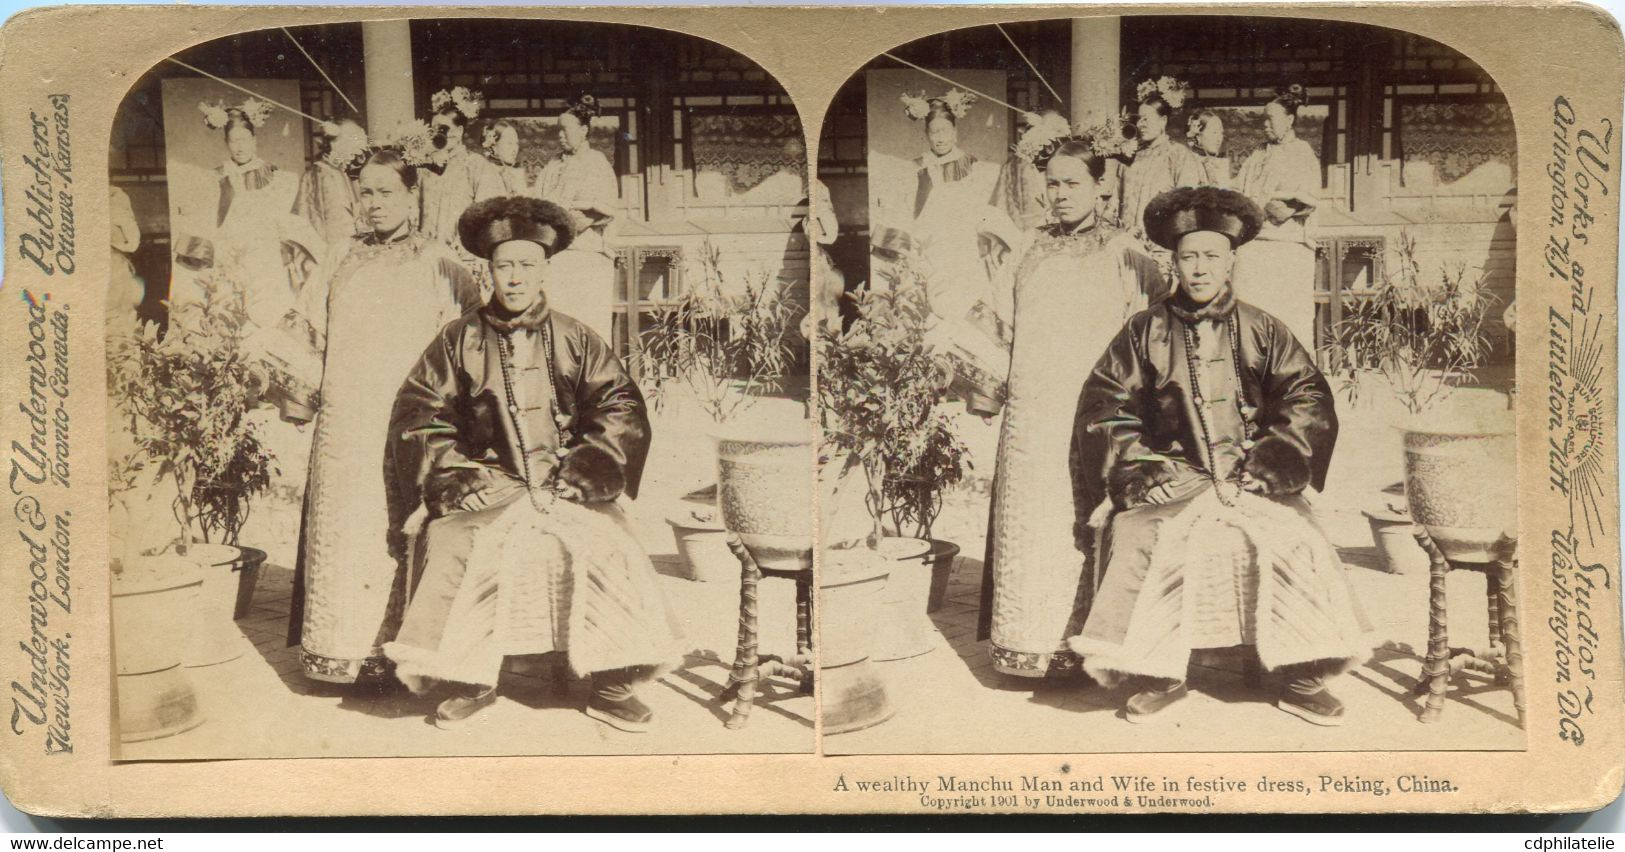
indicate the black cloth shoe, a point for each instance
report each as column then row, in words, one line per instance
column 1157, row 696
column 1319, row 707
column 468, row 700
column 614, row 699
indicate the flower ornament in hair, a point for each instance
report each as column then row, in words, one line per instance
column 958, row 102
column 915, row 107
column 1193, row 128
column 1173, row 92
column 411, row 139
column 348, row 143
column 468, row 103
column 488, row 140
column 1110, row 138
column 214, row 115
column 256, row 110
column 1041, row 139
column 1295, row 93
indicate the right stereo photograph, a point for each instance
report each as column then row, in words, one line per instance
column 1165, row 377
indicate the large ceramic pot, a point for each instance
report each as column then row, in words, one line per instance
column 941, row 558
column 228, row 574
column 905, row 630
column 852, row 694
column 1460, row 480
column 764, row 491
column 155, row 694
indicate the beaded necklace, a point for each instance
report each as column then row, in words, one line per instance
column 505, row 358
column 1248, row 411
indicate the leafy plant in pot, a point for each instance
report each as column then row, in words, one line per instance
column 184, row 396
column 880, row 389
column 723, row 349
column 1423, row 337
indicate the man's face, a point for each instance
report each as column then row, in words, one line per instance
column 1204, row 260
column 518, row 270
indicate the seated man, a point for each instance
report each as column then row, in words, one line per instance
column 514, row 436
column 1202, row 424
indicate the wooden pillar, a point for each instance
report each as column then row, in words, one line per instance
column 1096, row 69
column 386, row 48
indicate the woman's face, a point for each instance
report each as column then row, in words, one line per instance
column 1277, row 122
column 942, row 134
column 1203, row 261
column 1150, row 123
column 1210, row 136
column 507, row 145
column 241, row 144
column 574, row 131
column 518, row 270
column 385, row 198
column 448, row 134
column 1071, row 190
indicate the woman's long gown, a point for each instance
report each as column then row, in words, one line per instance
column 1073, row 293
column 581, row 279
column 1157, row 168
column 371, row 318
column 1276, row 271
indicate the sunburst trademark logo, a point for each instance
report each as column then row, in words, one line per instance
column 1579, row 449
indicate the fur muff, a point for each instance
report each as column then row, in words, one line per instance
column 445, row 489
column 595, row 472
column 1129, row 482
column 1279, row 466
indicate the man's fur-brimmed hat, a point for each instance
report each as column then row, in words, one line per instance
column 490, row 223
column 1178, row 212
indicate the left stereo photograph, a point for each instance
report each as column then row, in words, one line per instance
column 457, row 396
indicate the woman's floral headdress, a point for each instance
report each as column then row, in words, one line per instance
column 1294, row 93
column 1046, row 136
column 1173, row 92
column 955, row 101
column 217, row 115
column 468, row 103
column 347, row 143
column 411, row 139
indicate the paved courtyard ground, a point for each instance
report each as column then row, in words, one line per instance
column 261, row 705
column 950, row 700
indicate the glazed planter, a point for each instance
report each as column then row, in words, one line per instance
column 702, row 544
column 941, row 559
column 852, row 692
column 1394, row 536
column 154, row 692
column 228, row 577
column 764, row 489
column 904, row 630
column 1447, row 455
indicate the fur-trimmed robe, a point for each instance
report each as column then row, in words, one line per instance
column 501, row 573
column 1181, row 567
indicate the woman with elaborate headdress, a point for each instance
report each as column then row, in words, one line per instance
column 1077, row 283
column 1160, row 163
column 582, row 181
column 268, row 251
column 327, row 194
column 454, row 177
column 380, row 299
column 1205, row 133
column 1276, row 271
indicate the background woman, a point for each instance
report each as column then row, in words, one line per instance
column 1160, row 164
column 455, row 178
column 1207, row 142
column 380, row 302
column 583, row 182
column 326, row 196
column 502, row 148
column 1276, row 271
column 1075, row 287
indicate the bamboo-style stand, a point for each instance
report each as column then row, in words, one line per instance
column 751, row 668
column 1503, row 659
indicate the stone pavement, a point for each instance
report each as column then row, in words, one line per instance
column 261, row 705
column 950, row 700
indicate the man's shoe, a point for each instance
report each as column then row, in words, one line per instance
column 627, row 714
column 456, row 709
column 1150, row 702
column 1317, row 708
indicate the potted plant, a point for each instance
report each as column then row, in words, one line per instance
column 184, row 395
column 1422, row 337
column 723, row 349
column 880, row 388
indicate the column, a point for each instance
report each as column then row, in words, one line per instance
column 1096, row 69
column 386, row 48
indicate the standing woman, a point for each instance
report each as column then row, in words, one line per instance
column 582, row 181
column 1076, row 286
column 1160, row 164
column 1276, row 271
column 327, row 197
column 455, row 178
column 382, row 298
column 501, row 145
column 1206, row 135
